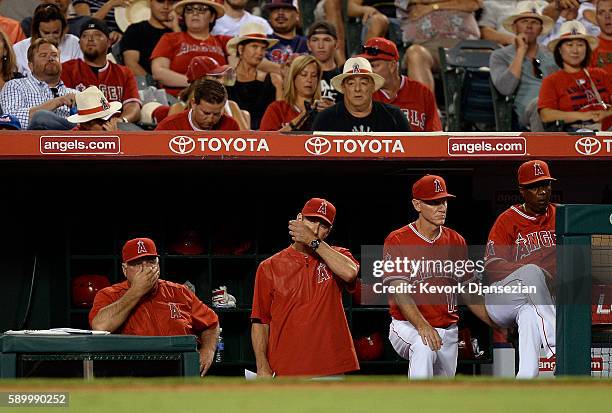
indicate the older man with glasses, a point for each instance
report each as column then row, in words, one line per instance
column 518, row 69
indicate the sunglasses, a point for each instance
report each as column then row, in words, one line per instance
column 374, row 51
column 537, row 71
column 199, row 9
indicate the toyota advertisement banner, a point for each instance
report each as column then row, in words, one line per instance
column 273, row 145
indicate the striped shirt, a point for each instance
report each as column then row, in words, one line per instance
column 18, row 96
column 94, row 6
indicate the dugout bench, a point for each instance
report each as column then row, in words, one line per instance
column 19, row 351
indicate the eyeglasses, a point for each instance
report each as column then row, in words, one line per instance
column 375, row 51
column 537, row 72
column 196, row 9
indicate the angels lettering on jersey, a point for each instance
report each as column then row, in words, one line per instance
column 525, row 244
column 112, row 93
column 415, row 118
column 174, row 311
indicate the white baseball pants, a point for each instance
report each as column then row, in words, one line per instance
column 425, row 363
column 534, row 313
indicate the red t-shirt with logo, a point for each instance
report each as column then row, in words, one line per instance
column 182, row 121
column 169, row 310
column 440, row 310
column 278, row 114
column 416, row 102
column 181, row 47
column 116, row 81
column 602, row 56
column 519, row 238
column 570, row 92
column 301, row 300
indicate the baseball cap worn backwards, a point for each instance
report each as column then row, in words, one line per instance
column 429, row 188
column 322, row 27
column 138, row 248
column 534, row 171
column 320, row 208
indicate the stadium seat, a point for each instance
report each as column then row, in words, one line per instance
column 503, row 107
column 467, row 94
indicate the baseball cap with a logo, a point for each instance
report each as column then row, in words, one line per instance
column 429, row 188
column 319, row 207
column 379, row 48
column 138, row 248
column 534, row 171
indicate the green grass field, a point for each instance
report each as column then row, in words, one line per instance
column 355, row 394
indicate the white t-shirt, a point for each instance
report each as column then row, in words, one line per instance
column 69, row 49
column 229, row 26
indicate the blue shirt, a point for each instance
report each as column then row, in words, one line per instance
column 280, row 52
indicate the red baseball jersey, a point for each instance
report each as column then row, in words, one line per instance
column 416, row 102
column 571, row 91
column 518, row 238
column 301, row 300
column 169, row 310
column 181, row 47
column 278, row 114
column 602, row 56
column 440, row 310
column 183, row 121
column 116, row 81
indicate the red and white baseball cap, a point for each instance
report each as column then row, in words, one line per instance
column 319, row 207
column 379, row 48
column 201, row 66
column 534, row 171
column 138, row 248
column 430, row 187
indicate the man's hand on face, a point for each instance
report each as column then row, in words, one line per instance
column 146, row 277
column 299, row 232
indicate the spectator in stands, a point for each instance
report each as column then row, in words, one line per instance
column 9, row 122
column 236, row 16
column 116, row 81
column 284, row 19
column 140, row 38
column 301, row 98
column 204, row 67
column 562, row 11
column 414, row 99
column 146, row 305
column 12, row 29
column 518, row 69
column 602, row 56
column 8, row 62
column 103, row 10
column 171, row 56
column 74, row 22
column 323, row 43
column 95, row 112
column 254, row 89
column 331, row 12
column 578, row 96
column 40, row 100
column 375, row 22
column 494, row 14
column 48, row 23
column 358, row 112
column 207, row 110
column 432, row 25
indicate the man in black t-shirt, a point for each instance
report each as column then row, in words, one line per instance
column 323, row 44
column 140, row 39
column 358, row 112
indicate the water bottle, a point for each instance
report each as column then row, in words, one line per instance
column 220, row 347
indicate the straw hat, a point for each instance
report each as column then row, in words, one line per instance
column 91, row 105
column 356, row 66
column 146, row 113
column 526, row 9
column 178, row 7
column 136, row 12
column 573, row 29
column 249, row 31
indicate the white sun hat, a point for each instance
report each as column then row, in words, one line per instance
column 573, row 29
column 136, row 12
column 249, row 31
column 525, row 9
column 357, row 66
column 91, row 104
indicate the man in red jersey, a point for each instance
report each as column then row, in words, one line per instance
column 207, row 110
column 414, row 99
column 116, row 81
column 521, row 253
column 424, row 323
column 146, row 305
column 299, row 326
column 602, row 56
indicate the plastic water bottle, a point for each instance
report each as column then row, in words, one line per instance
column 220, row 348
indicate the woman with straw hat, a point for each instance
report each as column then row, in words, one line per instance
column 173, row 53
column 576, row 95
